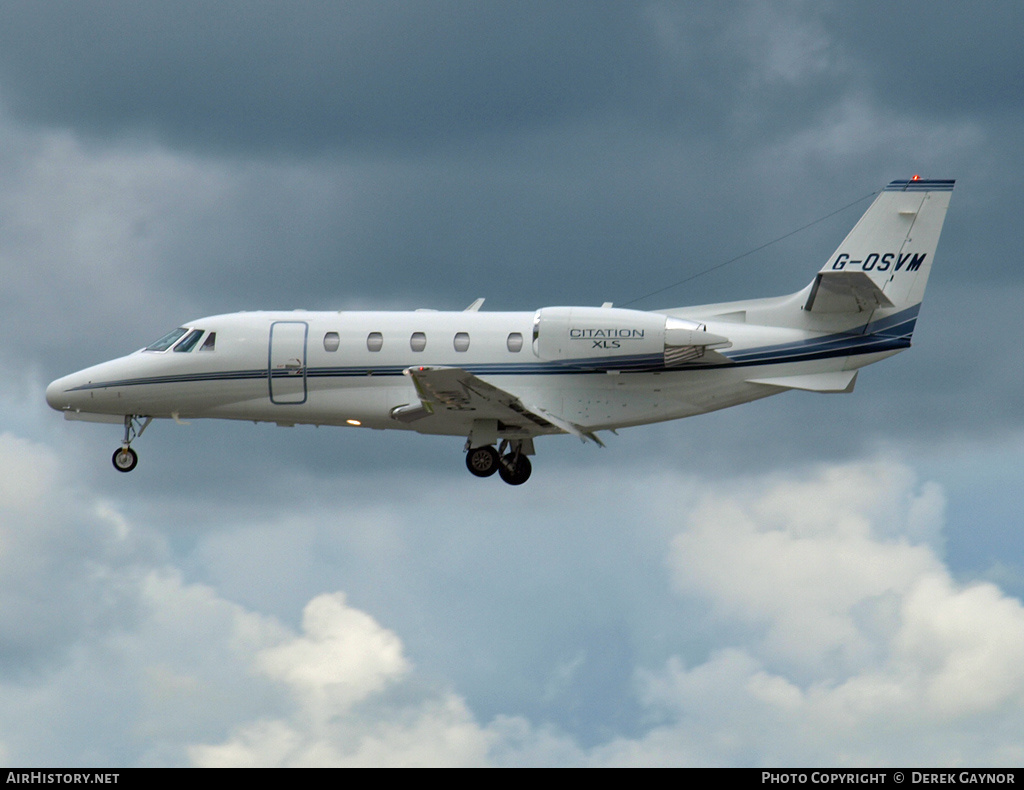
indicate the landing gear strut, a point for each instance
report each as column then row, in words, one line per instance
column 125, row 458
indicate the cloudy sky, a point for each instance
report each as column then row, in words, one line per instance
column 806, row 580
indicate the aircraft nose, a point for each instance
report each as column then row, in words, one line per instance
column 63, row 394
column 56, row 394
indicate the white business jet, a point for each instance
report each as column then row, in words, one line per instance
column 503, row 379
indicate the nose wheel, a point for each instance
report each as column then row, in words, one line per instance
column 125, row 458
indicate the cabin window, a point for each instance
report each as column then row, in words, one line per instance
column 515, row 342
column 461, row 341
column 167, row 340
column 209, row 343
column 331, row 341
column 418, row 341
column 189, row 342
column 374, row 341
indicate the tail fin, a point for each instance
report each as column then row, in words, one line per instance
column 885, row 260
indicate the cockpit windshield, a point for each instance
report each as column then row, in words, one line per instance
column 184, row 340
column 190, row 341
column 167, row 340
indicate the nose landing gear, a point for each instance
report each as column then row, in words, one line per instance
column 125, row 458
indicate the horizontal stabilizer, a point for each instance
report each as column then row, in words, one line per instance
column 837, row 381
column 845, row 292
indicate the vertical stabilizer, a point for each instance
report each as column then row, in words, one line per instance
column 885, row 260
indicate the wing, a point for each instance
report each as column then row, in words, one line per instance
column 454, row 399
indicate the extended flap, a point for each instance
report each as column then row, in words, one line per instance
column 454, row 391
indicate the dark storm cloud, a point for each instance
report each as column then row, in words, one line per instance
column 301, row 77
column 309, row 75
column 948, row 60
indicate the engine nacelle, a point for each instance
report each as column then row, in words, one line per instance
column 599, row 333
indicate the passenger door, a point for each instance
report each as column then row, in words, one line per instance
column 286, row 369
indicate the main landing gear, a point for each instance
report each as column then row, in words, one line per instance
column 509, row 461
column 125, row 458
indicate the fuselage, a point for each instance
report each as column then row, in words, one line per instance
column 346, row 368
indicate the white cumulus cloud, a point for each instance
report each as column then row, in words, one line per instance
column 344, row 658
column 833, row 633
column 858, row 646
